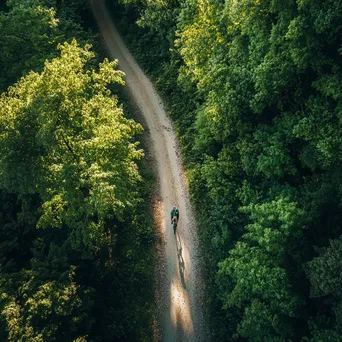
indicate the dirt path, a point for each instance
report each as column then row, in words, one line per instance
column 180, row 289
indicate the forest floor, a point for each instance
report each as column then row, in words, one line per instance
column 179, row 283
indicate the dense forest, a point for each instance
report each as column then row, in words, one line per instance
column 77, row 242
column 255, row 89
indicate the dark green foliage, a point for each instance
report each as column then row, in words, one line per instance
column 324, row 273
column 29, row 34
column 255, row 90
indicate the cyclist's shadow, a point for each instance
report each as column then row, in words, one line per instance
column 181, row 265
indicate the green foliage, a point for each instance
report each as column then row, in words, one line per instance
column 255, row 90
column 45, row 309
column 76, row 252
column 77, row 141
column 324, row 274
column 257, row 269
column 29, row 34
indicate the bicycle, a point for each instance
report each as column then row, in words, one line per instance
column 174, row 224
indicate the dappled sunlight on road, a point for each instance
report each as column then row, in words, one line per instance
column 180, row 307
column 180, row 310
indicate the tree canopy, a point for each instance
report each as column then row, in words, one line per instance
column 255, row 90
column 77, row 241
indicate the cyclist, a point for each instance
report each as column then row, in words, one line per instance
column 174, row 213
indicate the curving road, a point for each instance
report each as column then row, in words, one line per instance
column 179, row 287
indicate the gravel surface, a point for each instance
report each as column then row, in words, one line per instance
column 179, row 284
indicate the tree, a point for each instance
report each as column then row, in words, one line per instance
column 324, row 274
column 256, row 267
column 65, row 139
column 28, row 35
column 254, row 88
column 68, row 139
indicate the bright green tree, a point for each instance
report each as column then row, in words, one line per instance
column 68, row 140
column 260, row 285
column 65, row 138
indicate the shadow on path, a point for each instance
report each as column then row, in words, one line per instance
column 181, row 265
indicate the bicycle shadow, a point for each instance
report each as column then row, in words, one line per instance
column 181, row 264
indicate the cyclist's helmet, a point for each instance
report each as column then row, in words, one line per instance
column 174, row 207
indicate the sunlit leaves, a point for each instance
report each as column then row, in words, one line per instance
column 265, row 154
column 257, row 268
column 70, row 186
column 67, row 139
column 44, row 310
